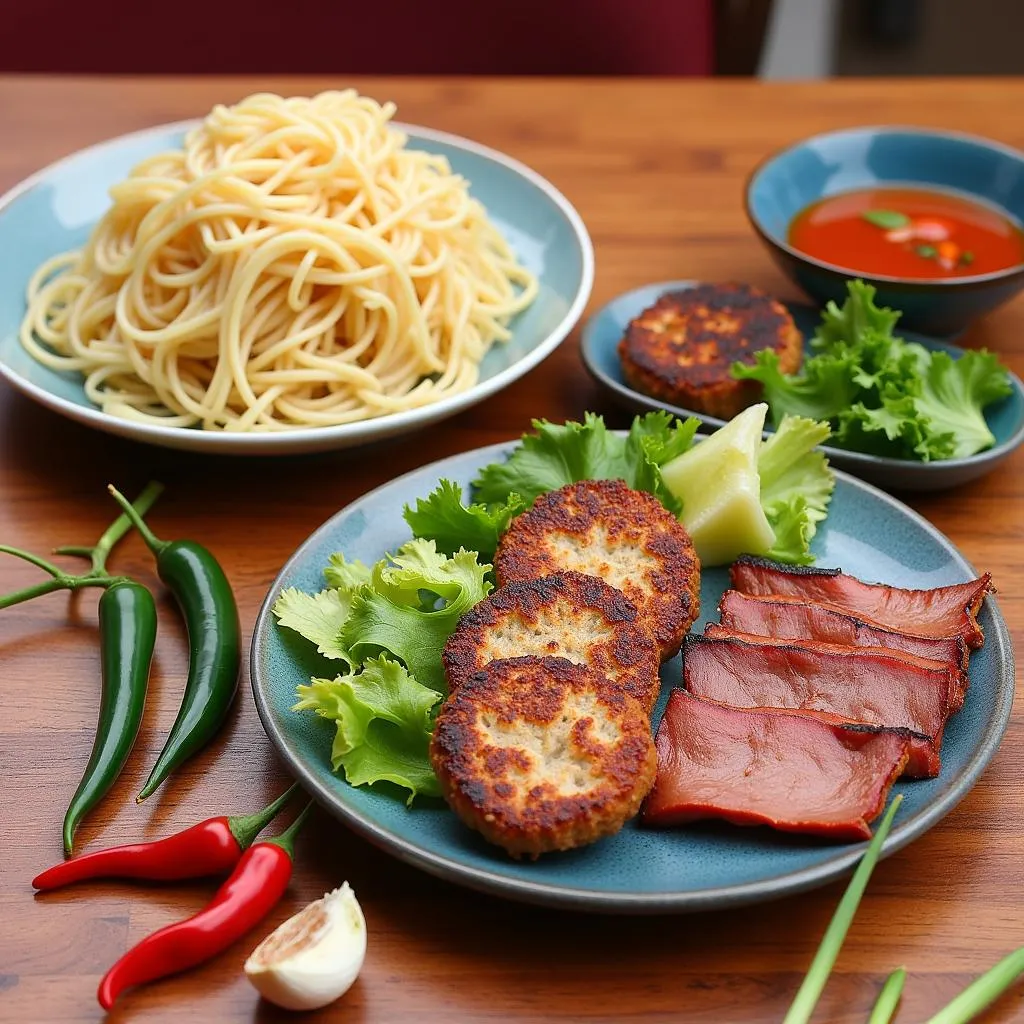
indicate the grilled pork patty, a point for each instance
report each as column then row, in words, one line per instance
column 625, row 537
column 680, row 350
column 540, row 754
column 567, row 615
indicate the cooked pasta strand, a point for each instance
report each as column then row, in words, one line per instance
column 294, row 265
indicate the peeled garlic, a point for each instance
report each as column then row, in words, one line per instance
column 313, row 958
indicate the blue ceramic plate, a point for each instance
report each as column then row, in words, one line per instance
column 1005, row 418
column 636, row 871
column 54, row 211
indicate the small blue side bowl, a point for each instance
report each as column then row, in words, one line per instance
column 790, row 180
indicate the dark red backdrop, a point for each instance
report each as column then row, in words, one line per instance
column 661, row 37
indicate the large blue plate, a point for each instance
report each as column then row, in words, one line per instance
column 603, row 330
column 54, row 211
column 637, row 871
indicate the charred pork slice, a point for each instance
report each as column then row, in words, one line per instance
column 796, row 619
column 953, row 677
column 940, row 612
column 767, row 767
column 856, row 686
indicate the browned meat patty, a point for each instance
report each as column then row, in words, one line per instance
column 681, row 348
column 565, row 615
column 626, row 538
column 539, row 754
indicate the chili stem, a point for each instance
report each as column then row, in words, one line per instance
column 286, row 840
column 27, row 556
column 889, row 997
column 983, row 991
column 74, row 549
column 824, row 960
column 152, row 541
column 97, row 575
column 124, row 522
column 60, row 583
column 100, row 551
column 246, row 827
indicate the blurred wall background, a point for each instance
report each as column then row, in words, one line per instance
column 818, row 38
column 780, row 39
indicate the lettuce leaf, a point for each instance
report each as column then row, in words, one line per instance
column 387, row 615
column 954, row 393
column 443, row 518
column 341, row 574
column 389, row 624
column 557, row 454
column 317, row 617
column 880, row 393
column 383, row 720
column 821, row 391
column 796, row 486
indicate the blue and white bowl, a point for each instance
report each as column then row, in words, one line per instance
column 842, row 161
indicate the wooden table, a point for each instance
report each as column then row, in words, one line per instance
column 656, row 169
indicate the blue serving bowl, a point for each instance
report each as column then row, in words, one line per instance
column 841, row 161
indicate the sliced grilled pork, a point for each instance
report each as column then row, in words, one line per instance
column 939, row 612
column 765, row 767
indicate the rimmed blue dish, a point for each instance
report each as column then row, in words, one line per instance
column 55, row 209
column 841, row 161
column 639, row 870
column 1005, row 418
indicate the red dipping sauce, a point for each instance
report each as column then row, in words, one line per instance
column 908, row 233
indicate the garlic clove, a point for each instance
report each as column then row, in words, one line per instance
column 314, row 957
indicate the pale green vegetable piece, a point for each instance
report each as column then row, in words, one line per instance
column 888, row 999
column 720, row 488
column 832, row 942
column 983, row 991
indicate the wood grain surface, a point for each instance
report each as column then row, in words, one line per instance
column 656, row 169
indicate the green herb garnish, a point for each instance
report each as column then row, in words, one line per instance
column 929, row 252
column 887, row 219
column 982, row 992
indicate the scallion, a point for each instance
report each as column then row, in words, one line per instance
column 889, row 997
column 824, row 960
column 980, row 993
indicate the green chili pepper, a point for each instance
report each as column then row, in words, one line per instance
column 127, row 615
column 204, row 595
column 127, row 637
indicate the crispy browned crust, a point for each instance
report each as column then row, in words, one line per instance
column 680, row 349
column 508, row 791
column 625, row 651
column 575, row 526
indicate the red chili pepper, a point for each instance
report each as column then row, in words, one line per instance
column 211, row 847
column 254, row 887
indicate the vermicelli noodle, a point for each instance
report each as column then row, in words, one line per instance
column 294, row 265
